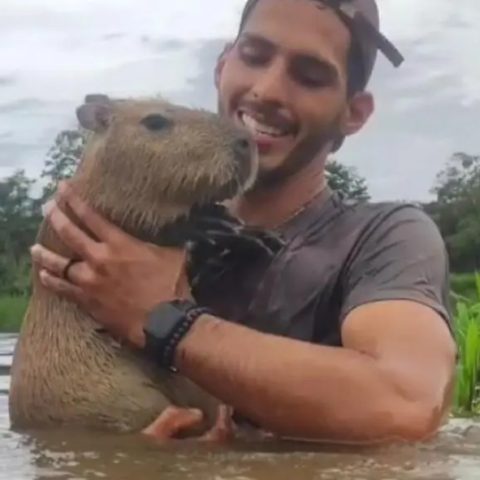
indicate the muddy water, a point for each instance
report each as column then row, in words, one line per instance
column 454, row 455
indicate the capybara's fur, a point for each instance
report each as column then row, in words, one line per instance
column 146, row 163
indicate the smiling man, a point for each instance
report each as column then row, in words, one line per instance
column 348, row 335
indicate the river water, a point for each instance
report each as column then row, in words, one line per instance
column 454, row 455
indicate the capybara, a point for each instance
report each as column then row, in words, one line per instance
column 147, row 164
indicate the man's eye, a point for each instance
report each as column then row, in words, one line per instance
column 311, row 81
column 311, row 74
column 253, row 56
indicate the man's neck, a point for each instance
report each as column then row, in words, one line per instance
column 272, row 207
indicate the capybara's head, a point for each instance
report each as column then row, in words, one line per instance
column 150, row 154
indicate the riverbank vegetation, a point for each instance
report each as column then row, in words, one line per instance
column 12, row 311
column 467, row 330
column 455, row 210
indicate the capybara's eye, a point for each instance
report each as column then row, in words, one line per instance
column 156, row 122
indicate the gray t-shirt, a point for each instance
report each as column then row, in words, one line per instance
column 340, row 255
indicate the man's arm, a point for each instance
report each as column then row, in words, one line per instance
column 392, row 380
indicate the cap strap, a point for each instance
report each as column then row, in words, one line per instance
column 361, row 22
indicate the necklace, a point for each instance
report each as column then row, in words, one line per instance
column 302, row 208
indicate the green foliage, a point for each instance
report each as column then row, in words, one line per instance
column 346, row 181
column 19, row 219
column 467, row 329
column 20, row 213
column 457, row 210
column 12, row 311
column 464, row 286
column 62, row 159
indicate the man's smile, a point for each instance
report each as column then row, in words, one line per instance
column 268, row 132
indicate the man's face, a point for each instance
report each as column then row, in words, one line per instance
column 285, row 80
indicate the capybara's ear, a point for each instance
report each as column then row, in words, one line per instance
column 95, row 116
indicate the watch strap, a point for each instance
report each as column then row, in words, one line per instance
column 166, row 327
column 178, row 333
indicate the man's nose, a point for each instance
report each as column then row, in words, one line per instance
column 271, row 85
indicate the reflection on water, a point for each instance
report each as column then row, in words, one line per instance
column 455, row 455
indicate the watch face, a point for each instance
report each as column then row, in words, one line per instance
column 163, row 320
column 166, row 326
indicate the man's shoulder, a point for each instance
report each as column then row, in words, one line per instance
column 398, row 254
column 369, row 211
column 363, row 219
column 395, row 216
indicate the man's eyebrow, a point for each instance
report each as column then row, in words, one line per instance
column 254, row 37
column 307, row 59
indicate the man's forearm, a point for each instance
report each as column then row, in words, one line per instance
column 295, row 389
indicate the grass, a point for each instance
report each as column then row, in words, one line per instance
column 464, row 286
column 467, row 327
column 12, row 310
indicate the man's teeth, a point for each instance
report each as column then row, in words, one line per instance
column 257, row 127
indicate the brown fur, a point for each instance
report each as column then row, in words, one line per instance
column 64, row 371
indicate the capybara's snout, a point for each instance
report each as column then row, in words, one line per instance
column 245, row 155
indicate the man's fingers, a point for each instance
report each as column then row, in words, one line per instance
column 61, row 287
column 173, row 421
column 224, row 428
column 70, row 234
column 79, row 273
column 88, row 216
column 48, row 260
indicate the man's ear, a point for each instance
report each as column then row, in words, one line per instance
column 221, row 62
column 360, row 107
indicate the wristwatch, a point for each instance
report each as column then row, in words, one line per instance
column 167, row 324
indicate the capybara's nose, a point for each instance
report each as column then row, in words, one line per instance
column 243, row 148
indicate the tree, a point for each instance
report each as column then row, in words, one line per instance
column 19, row 220
column 346, row 181
column 62, row 159
column 457, row 210
column 20, row 214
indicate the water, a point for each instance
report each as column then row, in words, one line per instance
column 454, row 455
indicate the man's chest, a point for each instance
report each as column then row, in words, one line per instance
column 300, row 294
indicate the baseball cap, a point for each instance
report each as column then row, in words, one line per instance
column 362, row 19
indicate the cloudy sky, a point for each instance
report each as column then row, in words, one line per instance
column 54, row 52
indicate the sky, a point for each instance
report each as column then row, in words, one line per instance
column 54, row 52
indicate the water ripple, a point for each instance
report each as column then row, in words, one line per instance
column 454, row 455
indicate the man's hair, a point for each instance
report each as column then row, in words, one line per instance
column 356, row 81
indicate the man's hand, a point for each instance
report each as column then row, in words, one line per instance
column 175, row 422
column 118, row 279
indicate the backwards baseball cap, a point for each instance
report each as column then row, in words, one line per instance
column 362, row 19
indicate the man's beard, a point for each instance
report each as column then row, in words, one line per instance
column 304, row 153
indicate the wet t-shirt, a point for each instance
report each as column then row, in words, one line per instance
column 338, row 256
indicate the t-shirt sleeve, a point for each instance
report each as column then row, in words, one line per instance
column 400, row 256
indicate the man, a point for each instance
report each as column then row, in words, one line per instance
column 348, row 336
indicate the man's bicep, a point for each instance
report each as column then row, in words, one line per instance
column 410, row 343
column 395, row 307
